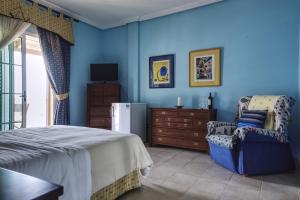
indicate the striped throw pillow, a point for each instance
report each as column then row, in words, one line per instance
column 253, row 118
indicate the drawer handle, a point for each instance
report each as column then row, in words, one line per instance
column 160, row 139
column 163, row 113
column 169, row 119
column 185, row 120
column 199, row 123
column 185, row 125
column 196, row 144
column 169, row 124
column 196, row 134
column 192, row 114
column 159, row 130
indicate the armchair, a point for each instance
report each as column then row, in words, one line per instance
column 248, row 150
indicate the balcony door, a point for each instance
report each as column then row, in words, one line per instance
column 25, row 95
column 12, row 86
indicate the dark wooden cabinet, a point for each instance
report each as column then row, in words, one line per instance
column 99, row 99
column 17, row 186
column 185, row 128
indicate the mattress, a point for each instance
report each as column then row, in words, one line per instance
column 83, row 160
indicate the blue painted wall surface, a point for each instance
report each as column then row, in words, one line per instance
column 87, row 49
column 260, row 55
column 260, row 52
column 133, row 62
column 115, row 50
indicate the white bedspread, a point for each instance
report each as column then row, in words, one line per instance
column 83, row 160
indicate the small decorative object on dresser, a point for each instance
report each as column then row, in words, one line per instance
column 179, row 103
column 99, row 99
column 185, row 128
column 210, row 101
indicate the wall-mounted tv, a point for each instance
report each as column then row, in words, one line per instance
column 104, row 72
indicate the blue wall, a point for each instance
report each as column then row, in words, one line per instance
column 260, row 52
column 260, row 55
column 115, row 50
column 133, row 61
column 87, row 49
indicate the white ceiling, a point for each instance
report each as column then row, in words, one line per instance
column 111, row 13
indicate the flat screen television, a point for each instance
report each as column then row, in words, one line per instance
column 104, row 72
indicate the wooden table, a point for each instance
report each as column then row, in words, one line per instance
column 17, row 186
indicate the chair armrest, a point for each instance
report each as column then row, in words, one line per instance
column 252, row 134
column 220, row 128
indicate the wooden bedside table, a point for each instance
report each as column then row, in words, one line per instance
column 17, row 186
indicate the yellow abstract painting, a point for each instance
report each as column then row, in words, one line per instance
column 161, row 72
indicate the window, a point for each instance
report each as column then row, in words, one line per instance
column 11, row 90
column 26, row 99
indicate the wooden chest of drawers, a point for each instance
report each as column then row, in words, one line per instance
column 99, row 100
column 185, row 128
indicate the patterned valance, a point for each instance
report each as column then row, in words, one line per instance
column 40, row 16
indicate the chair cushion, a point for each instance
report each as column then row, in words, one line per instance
column 223, row 140
column 253, row 118
column 265, row 103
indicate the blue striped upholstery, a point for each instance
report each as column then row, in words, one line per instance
column 253, row 118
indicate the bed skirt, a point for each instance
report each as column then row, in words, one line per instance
column 121, row 186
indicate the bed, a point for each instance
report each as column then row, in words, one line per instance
column 90, row 163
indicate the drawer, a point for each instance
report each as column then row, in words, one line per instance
column 164, row 124
column 196, row 113
column 171, row 119
column 100, row 122
column 167, row 141
column 158, row 120
column 159, row 131
column 199, row 123
column 111, row 90
column 174, row 133
column 162, row 113
column 110, row 100
column 96, row 89
column 96, row 101
column 177, row 133
column 172, row 125
column 182, row 120
column 176, row 142
column 100, row 111
column 184, row 125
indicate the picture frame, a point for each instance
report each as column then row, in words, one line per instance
column 161, row 71
column 205, row 67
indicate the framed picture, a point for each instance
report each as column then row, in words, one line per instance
column 161, row 71
column 205, row 68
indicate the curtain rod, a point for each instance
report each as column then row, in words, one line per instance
column 57, row 13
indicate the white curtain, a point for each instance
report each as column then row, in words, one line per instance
column 10, row 29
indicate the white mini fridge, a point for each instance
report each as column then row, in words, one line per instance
column 130, row 118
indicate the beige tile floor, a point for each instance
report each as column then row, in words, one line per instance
column 188, row 175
